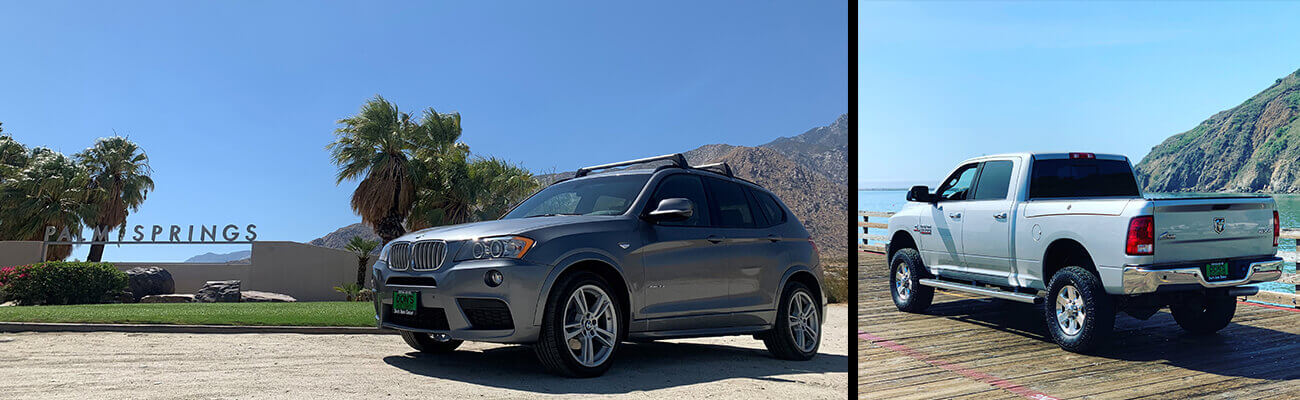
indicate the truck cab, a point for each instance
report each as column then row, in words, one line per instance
column 1074, row 232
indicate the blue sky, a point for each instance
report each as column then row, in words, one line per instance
column 942, row 82
column 236, row 101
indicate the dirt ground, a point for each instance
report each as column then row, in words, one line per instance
column 211, row 366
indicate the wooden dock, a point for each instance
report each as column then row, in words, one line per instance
column 971, row 347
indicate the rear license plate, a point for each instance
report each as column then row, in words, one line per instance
column 405, row 302
column 1214, row 271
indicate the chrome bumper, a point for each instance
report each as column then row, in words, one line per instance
column 1144, row 279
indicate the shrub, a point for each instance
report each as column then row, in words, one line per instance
column 59, row 282
column 836, row 279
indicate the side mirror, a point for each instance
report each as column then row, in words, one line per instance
column 676, row 209
column 921, row 193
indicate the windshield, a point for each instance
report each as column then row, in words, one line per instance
column 609, row 195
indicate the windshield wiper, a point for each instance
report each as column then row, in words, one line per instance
column 550, row 215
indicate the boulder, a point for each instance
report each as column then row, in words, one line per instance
column 168, row 298
column 148, row 281
column 259, row 297
column 218, row 292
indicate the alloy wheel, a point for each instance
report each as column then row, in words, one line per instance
column 1070, row 312
column 590, row 325
column 903, row 281
column 804, row 326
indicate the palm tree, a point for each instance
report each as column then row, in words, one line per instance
column 51, row 191
column 121, row 169
column 362, row 249
column 13, row 156
column 379, row 143
column 468, row 190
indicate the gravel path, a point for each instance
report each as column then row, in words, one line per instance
column 208, row 366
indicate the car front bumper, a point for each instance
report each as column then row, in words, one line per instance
column 449, row 299
column 1140, row 279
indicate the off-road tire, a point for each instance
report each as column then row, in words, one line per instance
column 919, row 297
column 1209, row 315
column 1098, row 307
column 425, row 344
column 551, row 349
column 779, row 341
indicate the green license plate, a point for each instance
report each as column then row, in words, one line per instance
column 405, row 302
column 1217, row 270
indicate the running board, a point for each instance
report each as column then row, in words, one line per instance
column 1001, row 294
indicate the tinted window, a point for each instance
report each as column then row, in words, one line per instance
column 770, row 208
column 957, row 185
column 685, row 187
column 732, row 205
column 1082, row 177
column 607, row 195
column 994, row 181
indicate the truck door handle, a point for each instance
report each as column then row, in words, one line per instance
column 955, row 215
column 715, row 239
column 1000, row 217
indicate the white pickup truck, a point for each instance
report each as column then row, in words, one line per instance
column 1072, row 231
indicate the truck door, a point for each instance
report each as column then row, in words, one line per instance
column 986, row 231
column 941, row 247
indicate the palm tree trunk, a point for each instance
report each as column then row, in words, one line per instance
column 361, row 272
column 96, row 253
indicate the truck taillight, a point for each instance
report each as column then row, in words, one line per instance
column 1082, row 155
column 1141, row 236
column 1277, row 228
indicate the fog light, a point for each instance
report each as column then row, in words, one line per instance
column 493, row 278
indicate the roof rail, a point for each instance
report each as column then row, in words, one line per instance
column 677, row 159
column 720, row 167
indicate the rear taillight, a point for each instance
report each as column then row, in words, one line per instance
column 816, row 253
column 1277, row 228
column 1141, row 236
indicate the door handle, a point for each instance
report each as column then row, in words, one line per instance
column 955, row 215
column 1001, row 216
column 715, row 239
column 773, row 238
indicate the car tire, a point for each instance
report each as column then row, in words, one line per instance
column 799, row 341
column 425, row 343
column 555, row 345
column 1207, row 315
column 1087, row 310
column 905, row 273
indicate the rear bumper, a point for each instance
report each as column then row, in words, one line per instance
column 1139, row 279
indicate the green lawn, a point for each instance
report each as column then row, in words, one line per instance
column 264, row 314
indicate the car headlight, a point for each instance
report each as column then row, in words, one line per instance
column 496, row 247
column 383, row 254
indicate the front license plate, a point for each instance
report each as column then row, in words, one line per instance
column 1215, row 271
column 405, row 302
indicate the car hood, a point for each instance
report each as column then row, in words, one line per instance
column 500, row 227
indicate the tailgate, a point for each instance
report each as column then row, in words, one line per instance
column 1207, row 229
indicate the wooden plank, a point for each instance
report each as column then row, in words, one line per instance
column 1006, row 343
column 875, row 214
column 872, row 236
column 874, row 248
column 877, row 225
column 1289, row 233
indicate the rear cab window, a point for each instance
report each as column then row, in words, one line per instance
column 1081, row 177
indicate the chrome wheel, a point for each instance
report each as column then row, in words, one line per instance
column 903, row 281
column 804, row 327
column 590, row 325
column 1070, row 313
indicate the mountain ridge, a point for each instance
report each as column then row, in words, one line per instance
column 1253, row 147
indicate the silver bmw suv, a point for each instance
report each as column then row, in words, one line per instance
column 595, row 260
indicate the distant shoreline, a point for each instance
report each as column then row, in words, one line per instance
column 882, row 189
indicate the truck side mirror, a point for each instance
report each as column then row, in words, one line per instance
column 675, row 209
column 920, row 193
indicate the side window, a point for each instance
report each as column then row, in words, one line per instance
column 686, row 187
column 770, row 208
column 732, row 205
column 958, row 185
column 994, row 181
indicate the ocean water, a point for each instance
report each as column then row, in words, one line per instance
column 1288, row 207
